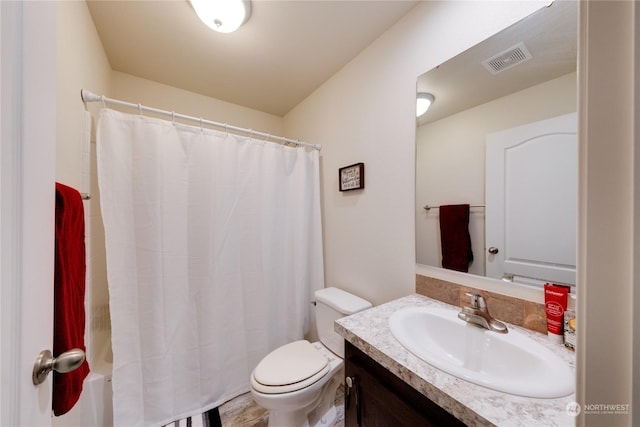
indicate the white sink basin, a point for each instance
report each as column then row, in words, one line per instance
column 512, row 363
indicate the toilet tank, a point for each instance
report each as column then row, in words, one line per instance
column 332, row 304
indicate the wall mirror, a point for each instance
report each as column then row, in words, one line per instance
column 522, row 76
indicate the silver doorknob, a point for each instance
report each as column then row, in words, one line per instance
column 66, row 362
column 493, row 250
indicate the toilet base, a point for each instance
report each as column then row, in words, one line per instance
column 316, row 418
column 323, row 414
column 324, row 419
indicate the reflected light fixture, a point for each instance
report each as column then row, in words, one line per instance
column 224, row 16
column 423, row 102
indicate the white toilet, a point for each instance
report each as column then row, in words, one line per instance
column 297, row 382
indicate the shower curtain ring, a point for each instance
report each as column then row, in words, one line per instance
column 173, row 117
column 140, row 108
column 104, row 103
column 201, row 125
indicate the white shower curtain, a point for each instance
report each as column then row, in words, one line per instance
column 214, row 250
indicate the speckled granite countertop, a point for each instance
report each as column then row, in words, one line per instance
column 474, row 405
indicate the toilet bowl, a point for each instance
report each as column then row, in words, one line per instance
column 297, row 382
column 291, row 404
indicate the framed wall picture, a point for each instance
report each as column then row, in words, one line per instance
column 351, row 177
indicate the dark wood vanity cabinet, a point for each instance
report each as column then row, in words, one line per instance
column 379, row 398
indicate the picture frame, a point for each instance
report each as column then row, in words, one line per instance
column 351, row 177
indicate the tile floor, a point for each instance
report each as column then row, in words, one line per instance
column 244, row 412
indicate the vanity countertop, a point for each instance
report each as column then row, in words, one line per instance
column 472, row 404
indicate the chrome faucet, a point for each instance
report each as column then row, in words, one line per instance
column 478, row 314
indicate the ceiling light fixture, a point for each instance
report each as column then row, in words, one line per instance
column 423, row 102
column 224, row 16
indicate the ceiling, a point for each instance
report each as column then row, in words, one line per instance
column 550, row 35
column 285, row 51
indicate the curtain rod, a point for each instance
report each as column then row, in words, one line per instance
column 88, row 96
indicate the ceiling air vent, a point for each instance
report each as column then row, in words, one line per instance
column 507, row 59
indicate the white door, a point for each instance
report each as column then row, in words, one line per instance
column 531, row 197
column 27, row 194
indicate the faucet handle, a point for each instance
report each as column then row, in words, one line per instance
column 475, row 299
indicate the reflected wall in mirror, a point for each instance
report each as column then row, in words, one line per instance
column 536, row 83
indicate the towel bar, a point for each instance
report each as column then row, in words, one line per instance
column 428, row 208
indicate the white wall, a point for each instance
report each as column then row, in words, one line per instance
column 366, row 113
column 450, row 159
column 82, row 63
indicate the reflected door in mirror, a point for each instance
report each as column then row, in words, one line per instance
column 531, row 184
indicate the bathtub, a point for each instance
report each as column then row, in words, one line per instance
column 95, row 407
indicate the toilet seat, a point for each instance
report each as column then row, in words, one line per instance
column 292, row 367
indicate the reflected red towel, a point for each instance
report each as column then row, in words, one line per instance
column 455, row 238
column 69, row 287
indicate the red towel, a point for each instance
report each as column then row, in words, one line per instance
column 455, row 238
column 69, row 286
